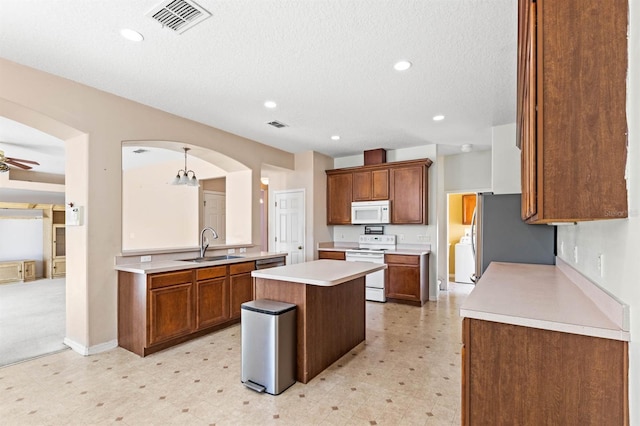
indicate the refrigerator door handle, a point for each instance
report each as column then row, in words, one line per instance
column 473, row 231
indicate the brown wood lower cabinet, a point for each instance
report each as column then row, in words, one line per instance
column 241, row 286
column 515, row 375
column 212, row 293
column 407, row 278
column 157, row 311
column 335, row 255
column 170, row 312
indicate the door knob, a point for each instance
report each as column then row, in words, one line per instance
column 299, row 247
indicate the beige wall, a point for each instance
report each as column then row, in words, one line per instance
column 93, row 125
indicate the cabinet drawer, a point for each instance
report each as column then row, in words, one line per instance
column 403, row 259
column 336, row 255
column 208, row 273
column 241, row 268
column 171, row 278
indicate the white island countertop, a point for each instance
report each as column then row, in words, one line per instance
column 324, row 272
column 544, row 297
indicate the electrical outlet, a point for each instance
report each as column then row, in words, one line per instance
column 231, row 251
column 575, row 254
column 145, row 258
column 600, row 264
column 243, row 249
column 561, row 248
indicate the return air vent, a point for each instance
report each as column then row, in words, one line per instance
column 277, row 124
column 178, row 15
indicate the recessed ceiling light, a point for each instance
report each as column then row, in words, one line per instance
column 131, row 34
column 438, row 117
column 335, row 138
column 270, row 104
column 402, row 65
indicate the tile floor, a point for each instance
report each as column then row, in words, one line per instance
column 406, row 373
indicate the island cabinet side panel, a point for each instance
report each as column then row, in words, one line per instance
column 132, row 311
column 522, row 375
column 284, row 291
column 336, row 322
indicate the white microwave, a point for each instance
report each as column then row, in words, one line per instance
column 370, row 212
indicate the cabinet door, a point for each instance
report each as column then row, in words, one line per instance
column 212, row 306
column 403, row 282
column 241, row 291
column 380, row 184
column 408, row 195
column 362, row 186
column 527, row 106
column 59, row 267
column 371, row 185
column 10, row 271
column 170, row 312
column 28, row 270
column 339, row 195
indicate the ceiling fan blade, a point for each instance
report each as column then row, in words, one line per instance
column 13, row 163
column 22, row 161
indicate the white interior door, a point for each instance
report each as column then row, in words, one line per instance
column 215, row 214
column 289, row 224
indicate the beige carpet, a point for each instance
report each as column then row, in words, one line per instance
column 32, row 319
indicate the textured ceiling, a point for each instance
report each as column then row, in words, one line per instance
column 327, row 64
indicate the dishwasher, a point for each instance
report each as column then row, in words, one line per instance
column 271, row 262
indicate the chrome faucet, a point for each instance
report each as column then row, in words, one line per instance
column 203, row 247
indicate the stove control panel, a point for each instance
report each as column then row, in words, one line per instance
column 377, row 239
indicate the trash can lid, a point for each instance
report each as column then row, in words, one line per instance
column 266, row 306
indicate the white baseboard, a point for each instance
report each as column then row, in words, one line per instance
column 90, row 350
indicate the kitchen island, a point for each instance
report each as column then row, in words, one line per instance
column 330, row 300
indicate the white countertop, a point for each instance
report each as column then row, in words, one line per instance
column 324, row 272
column 179, row 265
column 538, row 296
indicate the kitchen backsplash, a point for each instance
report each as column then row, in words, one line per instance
column 407, row 234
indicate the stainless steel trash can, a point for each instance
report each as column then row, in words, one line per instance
column 268, row 345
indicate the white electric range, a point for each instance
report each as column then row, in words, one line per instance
column 371, row 249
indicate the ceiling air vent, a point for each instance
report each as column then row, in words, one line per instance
column 178, row 15
column 277, row 124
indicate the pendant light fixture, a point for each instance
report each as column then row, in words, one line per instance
column 183, row 177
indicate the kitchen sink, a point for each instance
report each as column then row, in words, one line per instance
column 212, row 258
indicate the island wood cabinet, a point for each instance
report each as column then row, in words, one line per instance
column 407, row 278
column 528, row 376
column 571, row 109
column 404, row 183
column 160, row 310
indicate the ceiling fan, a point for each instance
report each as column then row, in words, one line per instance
column 5, row 162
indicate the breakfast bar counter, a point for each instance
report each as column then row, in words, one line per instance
column 330, row 300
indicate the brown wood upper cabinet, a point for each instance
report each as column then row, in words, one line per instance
column 339, row 194
column 571, row 109
column 404, row 183
column 371, row 185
